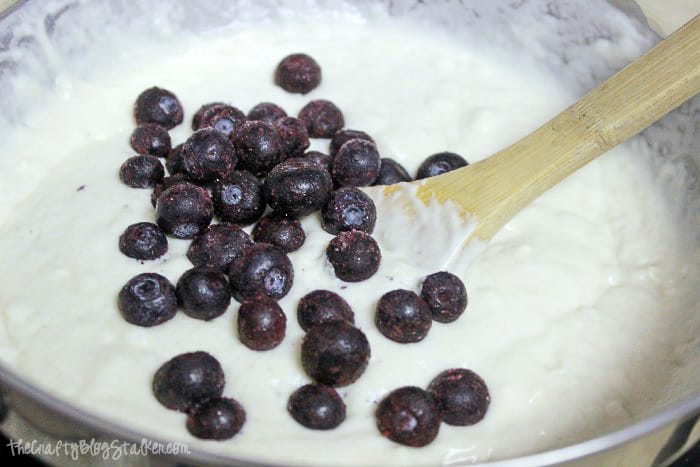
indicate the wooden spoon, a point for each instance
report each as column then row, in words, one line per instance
column 493, row 190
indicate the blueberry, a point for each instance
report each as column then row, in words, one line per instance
column 218, row 245
column 357, row 163
column 208, row 155
column 159, row 106
column 321, row 307
column 391, row 172
column 150, row 139
column 219, row 418
column 293, row 136
column 166, row 183
column 281, row 231
column 343, row 136
column 409, row 416
column 258, row 147
column 403, row 316
column 297, row 187
column 261, row 269
column 266, row 112
column 324, row 160
column 203, row 293
column 446, row 296
column 188, row 380
column 348, row 208
column 174, row 162
column 335, row 354
column 316, row 407
column 144, row 241
column 462, row 396
column 261, row 323
column 322, row 118
column 197, row 118
column 147, row 300
column 141, row 171
column 440, row 163
column 184, row 210
column 354, row 255
column 298, row 73
column 238, row 198
column 225, row 119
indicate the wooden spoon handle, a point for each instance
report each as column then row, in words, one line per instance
column 496, row 188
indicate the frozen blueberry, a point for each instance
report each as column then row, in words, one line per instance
column 184, row 210
column 203, row 293
column 403, row 316
column 293, row 136
column 409, row 416
column 188, row 380
column 261, row 269
column 197, row 118
column 298, row 73
column 322, row 118
column 150, row 139
column 166, row 183
column 446, row 296
column 219, row 418
column 208, row 155
column 141, row 171
column 238, row 198
column 348, row 208
column 266, row 112
column 297, row 187
column 462, row 396
column 147, row 300
column 258, row 147
column 324, row 160
column 440, row 163
column 174, row 162
column 159, row 106
column 335, row 354
column 218, row 245
column 321, row 307
column 343, row 136
column 261, row 323
column 223, row 118
column 356, row 164
column 144, row 241
column 354, row 255
column 316, row 407
column 283, row 232
column 391, row 172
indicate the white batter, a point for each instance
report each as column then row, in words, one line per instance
column 578, row 309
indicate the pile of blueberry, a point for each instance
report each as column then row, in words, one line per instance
column 233, row 167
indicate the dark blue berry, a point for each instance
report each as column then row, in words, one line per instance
column 391, row 172
column 261, row 269
column 188, row 380
column 219, row 418
column 316, row 407
column 462, row 396
column 409, row 416
column 446, row 296
column 261, row 323
column 238, row 198
column 258, row 147
column 354, row 255
column 403, row 316
column 147, row 300
column 223, row 118
column 197, row 118
column 335, row 354
column 159, row 106
column 184, row 210
column 174, row 162
column 266, row 112
column 141, row 171
column 208, row 155
column 166, row 183
column 298, row 73
column 343, row 136
column 357, row 163
column 203, row 293
column 293, row 136
column 323, row 306
column 322, row 118
column 440, row 163
column 151, row 139
column 297, row 187
column 283, row 232
column 144, row 241
column 348, row 208
column 218, row 245
column 324, row 160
